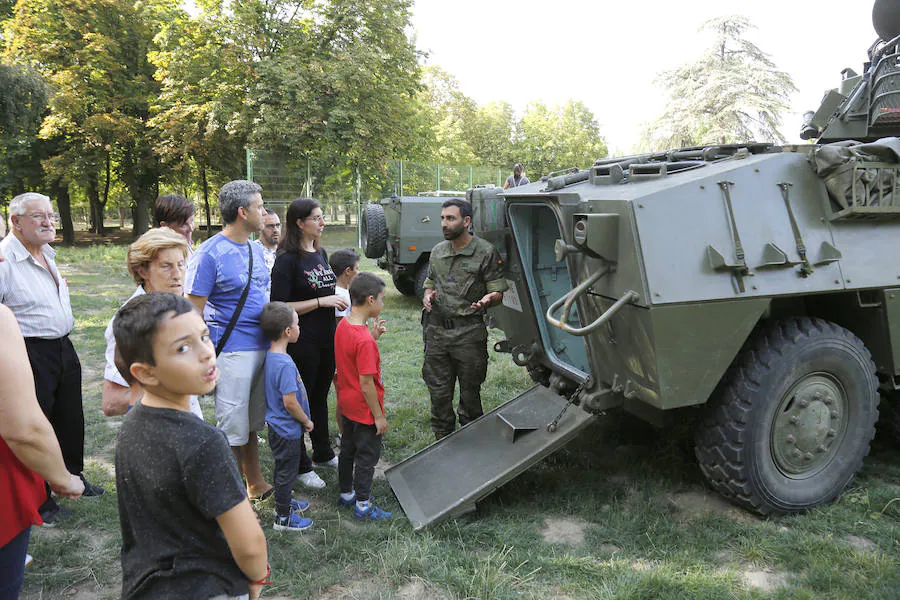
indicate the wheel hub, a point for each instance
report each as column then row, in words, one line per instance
column 809, row 424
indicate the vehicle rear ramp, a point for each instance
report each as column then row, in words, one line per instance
column 447, row 478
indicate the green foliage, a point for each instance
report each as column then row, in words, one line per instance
column 147, row 97
column 543, row 139
column 94, row 56
column 732, row 93
column 23, row 103
column 558, row 138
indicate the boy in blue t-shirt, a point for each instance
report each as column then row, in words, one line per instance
column 287, row 412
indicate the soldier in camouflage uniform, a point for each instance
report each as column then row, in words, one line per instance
column 465, row 277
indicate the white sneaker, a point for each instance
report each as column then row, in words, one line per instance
column 333, row 463
column 28, row 559
column 311, row 480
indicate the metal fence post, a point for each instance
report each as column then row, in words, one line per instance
column 249, row 164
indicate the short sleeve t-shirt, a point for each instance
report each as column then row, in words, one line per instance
column 511, row 181
column 356, row 353
column 300, row 276
column 175, row 474
column 283, row 378
column 218, row 270
column 345, row 294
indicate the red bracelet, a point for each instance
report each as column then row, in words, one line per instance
column 265, row 580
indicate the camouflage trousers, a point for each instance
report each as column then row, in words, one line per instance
column 448, row 359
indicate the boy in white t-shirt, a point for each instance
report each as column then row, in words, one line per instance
column 345, row 264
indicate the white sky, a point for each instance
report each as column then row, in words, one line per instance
column 607, row 54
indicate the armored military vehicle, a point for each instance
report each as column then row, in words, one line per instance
column 400, row 232
column 751, row 289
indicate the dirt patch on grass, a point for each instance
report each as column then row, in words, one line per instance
column 355, row 590
column 381, row 467
column 562, row 530
column 610, row 548
column 860, row 543
column 698, row 502
column 766, row 581
column 418, row 589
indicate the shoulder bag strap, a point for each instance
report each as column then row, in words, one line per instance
column 240, row 305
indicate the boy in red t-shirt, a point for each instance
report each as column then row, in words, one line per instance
column 360, row 395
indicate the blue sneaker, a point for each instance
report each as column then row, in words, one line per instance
column 347, row 503
column 296, row 506
column 293, row 522
column 372, row 513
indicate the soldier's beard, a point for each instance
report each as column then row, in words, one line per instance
column 452, row 234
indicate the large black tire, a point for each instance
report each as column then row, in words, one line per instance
column 374, row 231
column 405, row 284
column 421, row 276
column 792, row 420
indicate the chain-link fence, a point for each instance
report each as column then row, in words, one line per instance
column 342, row 188
column 411, row 178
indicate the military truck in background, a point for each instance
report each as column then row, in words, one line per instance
column 401, row 231
column 751, row 290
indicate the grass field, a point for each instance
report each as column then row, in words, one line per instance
column 619, row 513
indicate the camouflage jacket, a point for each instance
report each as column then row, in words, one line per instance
column 461, row 278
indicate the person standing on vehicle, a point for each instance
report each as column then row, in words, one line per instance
column 516, row 179
column 465, row 277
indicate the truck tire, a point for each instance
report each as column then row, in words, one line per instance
column 374, row 231
column 405, row 285
column 792, row 420
column 421, row 276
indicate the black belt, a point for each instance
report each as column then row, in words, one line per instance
column 454, row 322
column 37, row 340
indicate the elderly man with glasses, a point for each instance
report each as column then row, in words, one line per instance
column 32, row 288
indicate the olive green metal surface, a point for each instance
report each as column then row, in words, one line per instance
column 446, row 479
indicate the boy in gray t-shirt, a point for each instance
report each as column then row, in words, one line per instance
column 188, row 529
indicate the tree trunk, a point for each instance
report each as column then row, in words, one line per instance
column 357, row 192
column 205, row 183
column 105, row 197
column 142, row 181
column 94, row 205
column 64, row 204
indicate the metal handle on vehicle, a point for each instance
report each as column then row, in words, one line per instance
column 569, row 299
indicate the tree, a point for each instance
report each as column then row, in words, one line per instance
column 732, row 93
column 94, row 55
column 557, row 138
column 23, row 104
column 200, row 113
column 491, row 133
column 445, row 109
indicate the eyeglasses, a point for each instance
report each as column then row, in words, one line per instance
column 319, row 218
column 40, row 217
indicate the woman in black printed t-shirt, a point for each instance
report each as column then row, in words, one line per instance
column 302, row 278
